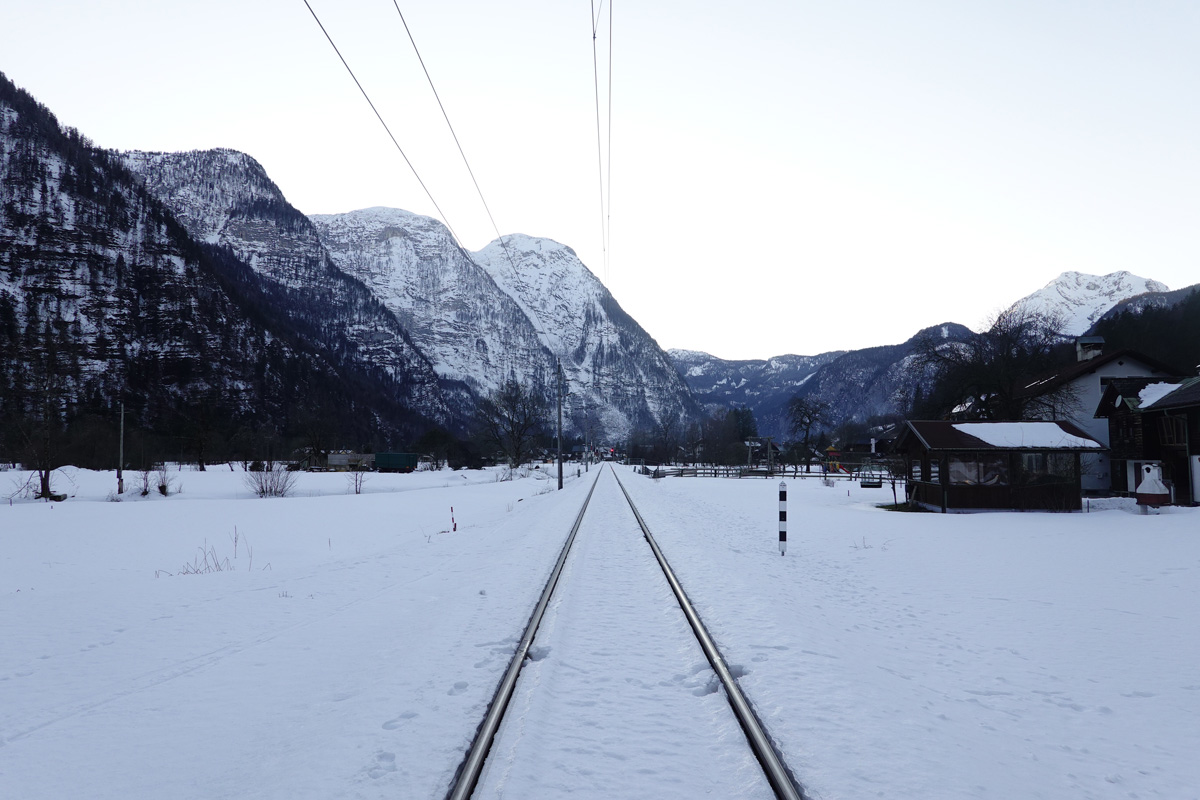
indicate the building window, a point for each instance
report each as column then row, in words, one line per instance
column 1047, row 468
column 1171, row 430
column 982, row 470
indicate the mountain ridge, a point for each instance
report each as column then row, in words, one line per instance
column 513, row 309
column 105, row 298
column 1079, row 299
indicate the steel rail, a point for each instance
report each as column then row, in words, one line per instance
column 778, row 774
column 468, row 772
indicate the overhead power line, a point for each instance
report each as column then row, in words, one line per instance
column 378, row 116
column 461, row 152
column 604, row 164
column 604, row 198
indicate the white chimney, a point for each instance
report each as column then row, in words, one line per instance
column 1088, row 347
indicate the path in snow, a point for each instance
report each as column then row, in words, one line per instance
column 618, row 700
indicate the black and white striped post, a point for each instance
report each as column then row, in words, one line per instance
column 782, row 517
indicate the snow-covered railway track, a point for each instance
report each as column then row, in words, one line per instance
column 624, row 673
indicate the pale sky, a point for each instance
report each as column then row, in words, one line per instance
column 787, row 177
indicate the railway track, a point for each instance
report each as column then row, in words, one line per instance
column 578, row 687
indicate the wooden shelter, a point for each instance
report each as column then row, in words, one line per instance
column 977, row 466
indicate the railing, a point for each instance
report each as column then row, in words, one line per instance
column 1057, row 496
column 792, row 472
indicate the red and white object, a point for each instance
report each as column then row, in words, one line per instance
column 1152, row 492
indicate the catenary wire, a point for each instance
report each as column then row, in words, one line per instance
column 608, row 218
column 378, row 116
column 461, row 152
column 599, row 137
column 595, row 20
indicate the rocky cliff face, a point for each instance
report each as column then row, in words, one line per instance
column 512, row 310
column 470, row 329
column 224, row 197
column 102, row 293
column 611, row 362
column 107, row 297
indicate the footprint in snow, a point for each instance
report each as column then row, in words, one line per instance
column 385, row 762
column 458, row 688
column 393, row 724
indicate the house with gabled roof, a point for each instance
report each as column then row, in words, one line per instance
column 1073, row 392
column 982, row 466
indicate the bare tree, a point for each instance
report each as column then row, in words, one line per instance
column 512, row 418
column 988, row 376
column 356, row 479
column 806, row 415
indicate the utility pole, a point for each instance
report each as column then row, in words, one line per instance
column 558, row 366
column 121, row 455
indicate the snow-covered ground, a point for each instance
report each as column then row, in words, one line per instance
column 352, row 648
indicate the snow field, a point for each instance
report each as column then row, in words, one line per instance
column 950, row 656
column 357, row 665
column 889, row 654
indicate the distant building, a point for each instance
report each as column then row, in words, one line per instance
column 346, row 460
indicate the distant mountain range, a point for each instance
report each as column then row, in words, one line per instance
column 856, row 384
column 186, row 286
column 882, row 381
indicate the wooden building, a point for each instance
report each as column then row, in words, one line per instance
column 1155, row 422
column 978, row 466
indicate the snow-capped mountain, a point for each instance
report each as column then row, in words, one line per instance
column 225, row 198
column 470, row 329
column 610, row 360
column 1080, row 299
column 510, row 310
column 105, row 298
column 1154, row 299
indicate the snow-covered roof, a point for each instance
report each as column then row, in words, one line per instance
column 1026, row 435
column 1037, row 435
column 1155, row 392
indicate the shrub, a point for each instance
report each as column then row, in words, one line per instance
column 273, row 480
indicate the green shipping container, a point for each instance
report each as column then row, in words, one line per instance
column 395, row 462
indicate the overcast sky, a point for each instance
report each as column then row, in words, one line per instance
column 787, row 176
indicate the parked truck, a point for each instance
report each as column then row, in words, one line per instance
column 396, row 462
